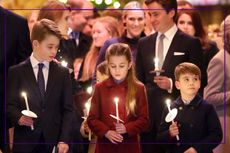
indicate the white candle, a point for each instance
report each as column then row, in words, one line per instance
column 26, row 100
column 27, row 105
column 156, row 63
column 116, row 100
column 87, row 107
column 89, row 90
column 168, row 101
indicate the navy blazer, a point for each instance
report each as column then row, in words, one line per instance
column 54, row 112
column 199, row 127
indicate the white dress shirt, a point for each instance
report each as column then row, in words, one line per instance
column 45, row 70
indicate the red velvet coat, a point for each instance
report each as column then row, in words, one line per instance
column 99, row 120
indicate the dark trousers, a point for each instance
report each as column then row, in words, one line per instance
column 41, row 147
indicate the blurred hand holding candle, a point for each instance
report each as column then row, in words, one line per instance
column 27, row 112
column 171, row 115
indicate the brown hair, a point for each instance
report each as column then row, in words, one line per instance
column 168, row 5
column 198, row 26
column 43, row 28
column 103, row 68
column 53, row 10
column 121, row 49
column 185, row 68
column 89, row 66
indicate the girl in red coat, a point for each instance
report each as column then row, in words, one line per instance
column 118, row 126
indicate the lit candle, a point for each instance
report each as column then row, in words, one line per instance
column 156, row 63
column 87, row 107
column 27, row 106
column 116, row 100
column 26, row 100
column 168, row 101
column 89, row 90
column 64, row 63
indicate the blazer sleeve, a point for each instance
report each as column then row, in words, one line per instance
column 93, row 120
column 24, row 48
column 214, row 91
column 141, row 123
column 67, row 109
column 139, row 65
column 13, row 100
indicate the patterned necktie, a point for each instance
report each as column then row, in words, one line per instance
column 41, row 80
column 160, row 52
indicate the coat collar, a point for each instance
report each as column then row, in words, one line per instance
column 195, row 102
column 111, row 83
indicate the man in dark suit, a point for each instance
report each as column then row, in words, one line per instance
column 176, row 47
column 48, row 86
column 15, row 47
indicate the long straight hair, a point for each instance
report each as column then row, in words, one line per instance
column 121, row 49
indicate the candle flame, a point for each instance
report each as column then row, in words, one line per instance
column 116, row 99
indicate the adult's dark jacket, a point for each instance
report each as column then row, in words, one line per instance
column 15, row 47
column 183, row 48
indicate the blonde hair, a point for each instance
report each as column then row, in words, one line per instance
column 111, row 25
column 121, row 49
column 133, row 5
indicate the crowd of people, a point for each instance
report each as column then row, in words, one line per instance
column 144, row 79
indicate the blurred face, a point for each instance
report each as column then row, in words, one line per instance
column 63, row 22
column 100, row 34
column 78, row 20
column 188, row 84
column 46, row 49
column 135, row 22
column 118, row 67
column 185, row 24
column 161, row 20
column 32, row 19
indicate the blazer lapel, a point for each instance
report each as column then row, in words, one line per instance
column 51, row 79
column 29, row 75
column 173, row 47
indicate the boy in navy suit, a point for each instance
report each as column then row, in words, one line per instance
column 48, row 88
column 196, row 123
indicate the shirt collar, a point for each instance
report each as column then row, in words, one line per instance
column 35, row 62
column 170, row 33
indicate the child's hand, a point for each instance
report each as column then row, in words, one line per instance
column 190, row 150
column 84, row 129
column 113, row 136
column 63, row 147
column 26, row 121
column 173, row 129
column 120, row 128
column 163, row 82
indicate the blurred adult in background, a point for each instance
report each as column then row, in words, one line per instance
column 32, row 18
column 189, row 21
column 15, row 46
column 117, row 14
column 77, row 22
column 148, row 24
column 217, row 91
column 88, row 13
column 183, row 4
column 133, row 18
